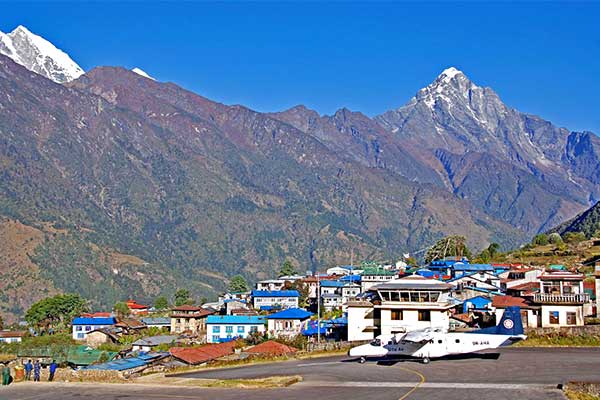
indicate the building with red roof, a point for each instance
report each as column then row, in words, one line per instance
column 202, row 354
column 272, row 348
column 136, row 308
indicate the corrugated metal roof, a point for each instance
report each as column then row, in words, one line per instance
column 129, row 362
column 234, row 319
column 291, row 313
column 94, row 321
column 157, row 321
column 332, row 284
column 275, row 293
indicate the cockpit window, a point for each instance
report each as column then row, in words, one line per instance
column 376, row 342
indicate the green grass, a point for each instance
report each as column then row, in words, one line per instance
column 559, row 340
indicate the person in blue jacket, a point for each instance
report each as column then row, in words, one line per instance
column 28, row 369
column 53, row 367
column 37, row 368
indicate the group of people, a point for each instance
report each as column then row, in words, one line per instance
column 30, row 367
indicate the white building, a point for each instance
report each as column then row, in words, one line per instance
column 273, row 299
column 222, row 328
column 375, row 276
column 287, row 323
column 81, row 326
column 561, row 299
column 11, row 336
column 402, row 305
column 270, row 284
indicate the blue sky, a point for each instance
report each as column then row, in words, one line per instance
column 541, row 58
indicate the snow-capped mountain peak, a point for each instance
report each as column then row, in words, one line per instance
column 449, row 73
column 142, row 73
column 39, row 55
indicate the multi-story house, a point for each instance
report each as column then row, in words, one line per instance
column 81, row 326
column 189, row 319
column 223, row 328
column 561, row 298
column 287, row 323
column 402, row 305
column 275, row 299
column 270, row 284
column 375, row 276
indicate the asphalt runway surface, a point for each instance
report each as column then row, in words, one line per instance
column 509, row 374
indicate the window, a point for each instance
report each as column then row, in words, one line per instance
column 457, row 340
column 78, row 328
column 396, row 315
column 241, row 329
column 395, row 296
column 215, row 338
column 216, row 329
column 571, row 318
column 229, row 336
column 554, row 317
column 229, row 329
column 424, row 315
column 404, row 296
column 80, row 336
column 88, row 328
column 253, row 328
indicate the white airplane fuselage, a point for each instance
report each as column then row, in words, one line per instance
column 437, row 344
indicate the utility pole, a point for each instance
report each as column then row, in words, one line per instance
column 318, row 308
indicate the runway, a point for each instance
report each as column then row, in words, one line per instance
column 512, row 373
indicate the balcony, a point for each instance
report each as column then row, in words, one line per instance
column 545, row 298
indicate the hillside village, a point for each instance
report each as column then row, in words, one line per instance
column 344, row 305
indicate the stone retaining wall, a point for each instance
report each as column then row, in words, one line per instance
column 593, row 330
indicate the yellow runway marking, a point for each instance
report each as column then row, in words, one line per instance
column 420, row 375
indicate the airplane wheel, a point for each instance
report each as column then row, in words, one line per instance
column 425, row 360
column 362, row 360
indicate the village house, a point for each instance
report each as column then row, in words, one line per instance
column 374, row 276
column 530, row 313
column 158, row 322
column 287, row 323
column 402, row 305
column 561, row 298
column 275, row 299
column 98, row 337
column 463, row 286
column 81, row 326
column 363, row 320
column 270, row 284
column 189, row 319
column 222, row 328
column 342, row 270
column 11, row 336
column 519, row 276
column 150, row 343
column 136, row 309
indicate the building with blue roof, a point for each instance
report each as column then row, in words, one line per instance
column 287, row 323
column 275, row 299
column 224, row 328
column 131, row 364
column 81, row 326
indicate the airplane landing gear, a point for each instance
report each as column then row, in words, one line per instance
column 362, row 360
column 425, row 360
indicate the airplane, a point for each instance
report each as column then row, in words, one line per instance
column 430, row 343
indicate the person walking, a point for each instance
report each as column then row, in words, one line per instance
column 28, row 369
column 37, row 368
column 5, row 375
column 53, row 367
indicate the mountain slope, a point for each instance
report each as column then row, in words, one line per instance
column 588, row 223
column 473, row 140
column 197, row 190
column 38, row 55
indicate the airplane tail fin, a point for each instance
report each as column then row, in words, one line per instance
column 511, row 323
